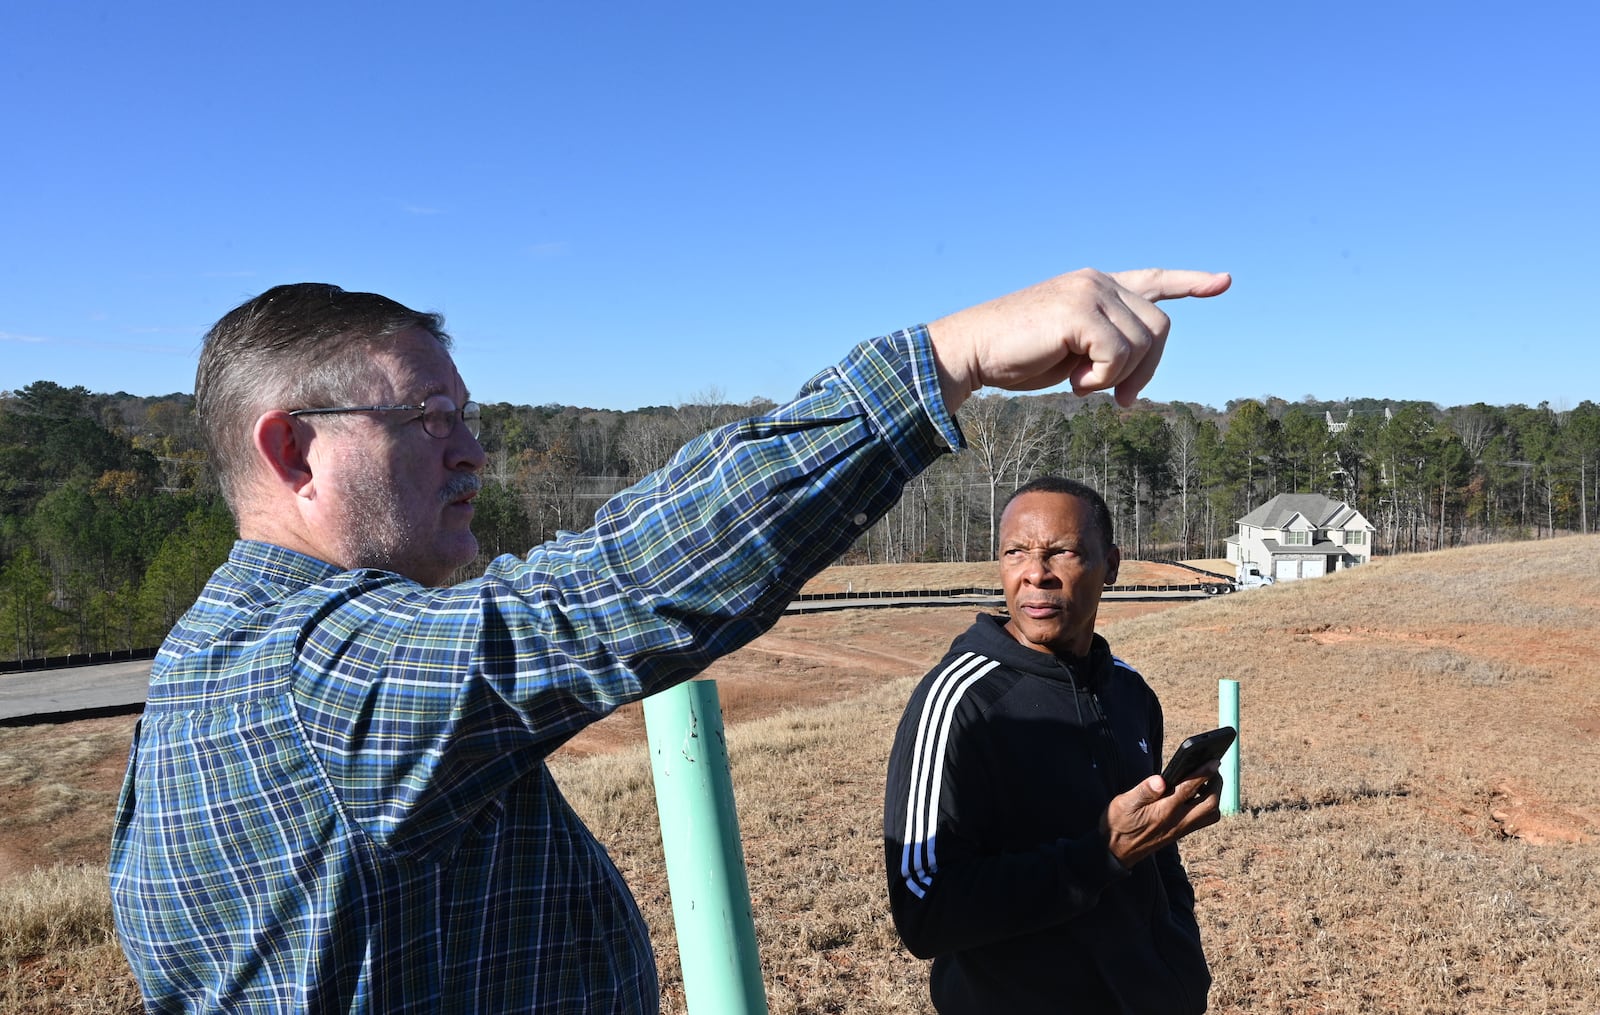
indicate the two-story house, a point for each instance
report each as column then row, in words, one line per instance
column 1300, row 535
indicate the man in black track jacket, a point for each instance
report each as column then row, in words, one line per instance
column 1031, row 848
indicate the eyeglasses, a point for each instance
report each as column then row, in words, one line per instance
column 438, row 414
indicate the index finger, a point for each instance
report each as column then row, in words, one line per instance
column 1156, row 284
column 1200, row 778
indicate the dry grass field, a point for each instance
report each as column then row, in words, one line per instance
column 1420, row 829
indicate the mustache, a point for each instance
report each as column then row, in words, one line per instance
column 459, row 486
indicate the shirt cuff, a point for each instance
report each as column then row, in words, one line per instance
column 929, row 391
column 895, row 379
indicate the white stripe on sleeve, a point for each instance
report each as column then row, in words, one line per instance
column 917, row 861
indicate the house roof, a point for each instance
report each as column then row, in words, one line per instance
column 1322, row 512
column 1321, row 548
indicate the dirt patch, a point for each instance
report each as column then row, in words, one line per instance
column 1521, row 812
column 58, row 787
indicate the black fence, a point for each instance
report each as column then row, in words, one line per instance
column 121, row 655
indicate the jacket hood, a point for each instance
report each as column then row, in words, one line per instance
column 988, row 636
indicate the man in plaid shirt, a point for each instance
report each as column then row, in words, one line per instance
column 337, row 798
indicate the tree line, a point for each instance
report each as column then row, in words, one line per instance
column 110, row 521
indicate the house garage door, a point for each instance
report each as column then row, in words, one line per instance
column 1313, row 568
column 1286, row 570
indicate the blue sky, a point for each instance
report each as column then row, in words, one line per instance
column 619, row 205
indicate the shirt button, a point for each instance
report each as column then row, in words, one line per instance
column 860, row 519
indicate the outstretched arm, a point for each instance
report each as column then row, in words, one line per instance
column 1097, row 330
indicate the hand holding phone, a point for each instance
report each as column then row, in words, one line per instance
column 1196, row 752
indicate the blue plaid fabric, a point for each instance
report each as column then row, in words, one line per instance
column 337, row 797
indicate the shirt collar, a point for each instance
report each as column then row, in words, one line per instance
column 277, row 563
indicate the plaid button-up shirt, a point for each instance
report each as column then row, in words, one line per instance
column 337, row 798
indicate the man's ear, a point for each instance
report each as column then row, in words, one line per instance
column 280, row 442
column 1113, row 561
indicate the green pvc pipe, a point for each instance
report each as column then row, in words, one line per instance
column 1228, row 715
column 705, row 860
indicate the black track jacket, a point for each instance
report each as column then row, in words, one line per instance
column 1003, row 764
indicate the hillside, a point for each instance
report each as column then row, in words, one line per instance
column 1420, row 831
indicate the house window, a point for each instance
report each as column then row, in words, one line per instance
column 1355, row 537
column 1293, row 538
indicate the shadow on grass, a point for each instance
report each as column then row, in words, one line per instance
column 1327, row 800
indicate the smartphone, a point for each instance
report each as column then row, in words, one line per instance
column 1197, row 751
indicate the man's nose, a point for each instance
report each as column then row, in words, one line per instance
column 466, row 451
column 1033, row 570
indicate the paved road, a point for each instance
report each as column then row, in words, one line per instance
column 68, row 692
column 119, row 688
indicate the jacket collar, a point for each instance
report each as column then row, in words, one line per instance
column 988, row 636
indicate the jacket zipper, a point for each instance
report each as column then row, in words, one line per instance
column 1109, row 738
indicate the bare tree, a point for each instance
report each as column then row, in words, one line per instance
column 705, row 410
column 1004, row 436
column 649, row 440
column 1185, row 461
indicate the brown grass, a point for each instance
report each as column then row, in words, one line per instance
column 58, row 952
column 1420, row 825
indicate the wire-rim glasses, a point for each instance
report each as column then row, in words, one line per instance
column 438, row 414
